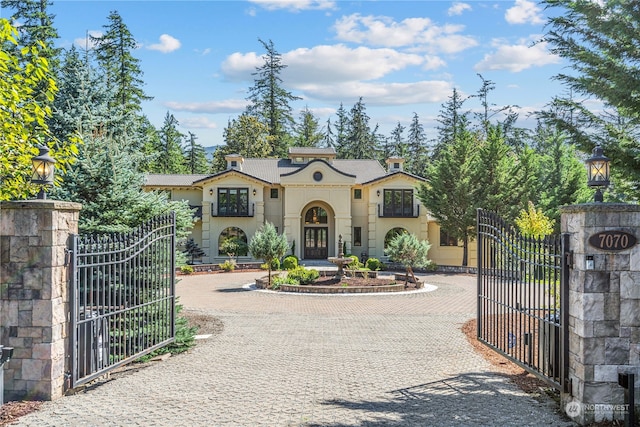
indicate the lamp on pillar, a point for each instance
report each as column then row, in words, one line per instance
column 598, row 172
column 43, row 170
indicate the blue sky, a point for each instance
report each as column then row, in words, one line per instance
column 401, row 57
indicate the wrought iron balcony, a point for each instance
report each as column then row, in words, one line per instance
column 398, row 211
column 232, row 211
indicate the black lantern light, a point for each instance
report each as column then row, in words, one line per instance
column 43, row 170
column 598, row 172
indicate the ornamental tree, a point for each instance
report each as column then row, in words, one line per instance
column 406, row 249
column 268, row 245
column 24, row 80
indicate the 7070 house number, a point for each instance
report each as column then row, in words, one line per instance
column 612, row 240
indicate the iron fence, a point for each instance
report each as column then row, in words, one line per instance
column 522, row 297
column 122, row 296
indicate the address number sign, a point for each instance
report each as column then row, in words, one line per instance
column 612, row 240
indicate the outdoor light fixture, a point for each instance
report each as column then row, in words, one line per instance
column 211, row 191
column 598, row 172
column 254, row 191
column 43, row 170
column 378, row 193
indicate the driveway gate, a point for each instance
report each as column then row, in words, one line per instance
column 523, row 297
column 122, row 297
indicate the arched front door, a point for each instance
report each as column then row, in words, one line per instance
column 316, row 233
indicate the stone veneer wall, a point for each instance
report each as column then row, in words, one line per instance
column 34, row 297
column 604, row 310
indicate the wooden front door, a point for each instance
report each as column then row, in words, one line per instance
column 315, row 242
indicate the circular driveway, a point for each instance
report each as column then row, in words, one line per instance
column 309, row 360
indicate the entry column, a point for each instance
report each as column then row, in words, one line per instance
column 604, row 307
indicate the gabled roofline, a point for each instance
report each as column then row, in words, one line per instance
column 392, row 174
column 315, row 161
column 231, row 171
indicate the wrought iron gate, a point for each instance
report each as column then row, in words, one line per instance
column 122, row 297
column 523, row 297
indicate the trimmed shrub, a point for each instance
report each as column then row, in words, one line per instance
column 290, row 262
column 304, row 276
column 227, row 265
column 283, row 280
column 355, row 264
column 374, row 264
column 186, row 269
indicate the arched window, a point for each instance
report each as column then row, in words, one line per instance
column 233, row 233
column 316, row 215
column 391, row 234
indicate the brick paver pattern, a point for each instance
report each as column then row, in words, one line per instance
column 308, row 360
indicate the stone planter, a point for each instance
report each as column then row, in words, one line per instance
column 364, row 274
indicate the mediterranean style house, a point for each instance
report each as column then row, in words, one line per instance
column 313, row 198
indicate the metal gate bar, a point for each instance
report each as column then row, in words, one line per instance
column 122, row 296
column 521, row 297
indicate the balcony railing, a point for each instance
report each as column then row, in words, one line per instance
column 226, row 212
column 396, row 212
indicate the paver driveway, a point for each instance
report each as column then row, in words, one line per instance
column 308, row 360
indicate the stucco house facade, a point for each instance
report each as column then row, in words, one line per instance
column 313, row 198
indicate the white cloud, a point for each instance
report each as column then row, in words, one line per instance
column 458, row 8
column 295, row 5
column 384, row 31
column 86, row 42
column 433, row 63
column 213, row 107
column 326, row 63
column 199, row 122
column 167, row 44
column 516, row 58
column 524, row 12
column 382, row 93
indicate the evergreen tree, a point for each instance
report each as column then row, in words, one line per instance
column 308, row 133
column 114, row 54
column 451, row 187
column 193, row 251
column 328, row 139
column 245, row 136
column 195, row 156
column 170, row 158
column 406, row 249
column 451, row 119
column 562, row 175
column 270, row 100
column 398, row 144
column 418, row 153
column 361, row 141
column 600, row 40
column 341, row 132
column 36, row 30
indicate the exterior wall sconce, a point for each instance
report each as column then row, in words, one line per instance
column 211, row 191
column 598, row 172
column 254, row 191
column 43, row 170
column 378, row 193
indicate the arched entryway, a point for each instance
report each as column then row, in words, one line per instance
column 317, row 231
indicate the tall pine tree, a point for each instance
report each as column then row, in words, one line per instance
column 270, row 101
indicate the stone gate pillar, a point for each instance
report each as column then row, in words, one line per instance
column 604, row 308
column 34, row 296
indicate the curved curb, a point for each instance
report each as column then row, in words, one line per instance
column 425, row 289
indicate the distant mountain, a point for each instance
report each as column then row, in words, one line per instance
column 210, row 151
